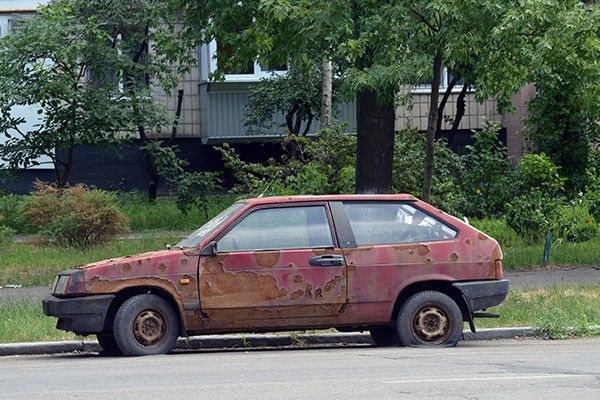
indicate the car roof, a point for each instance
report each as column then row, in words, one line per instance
column 332, row 197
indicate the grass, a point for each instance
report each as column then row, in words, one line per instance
column 163, row 214
column 552, row 310
column 36, row 265
column 561, row 254
column 23, row 321
column 520, row 255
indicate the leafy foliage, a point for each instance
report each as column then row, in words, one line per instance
column 409, row 160
column 538, row 172
column 489, row 178
column 6, row 236
column 530, row 215
column 192, row 188
column 87, row 65
column 75, row 216
column 297, row 95
column 319, row 166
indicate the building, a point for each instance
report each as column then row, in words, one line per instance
column 212, row 113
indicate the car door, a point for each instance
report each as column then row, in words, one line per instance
column 394, row 243
column 277, row 262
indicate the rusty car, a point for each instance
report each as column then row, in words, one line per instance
column 393, row 265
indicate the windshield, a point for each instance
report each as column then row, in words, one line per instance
column 197, row 236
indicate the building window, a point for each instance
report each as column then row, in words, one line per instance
column 447, row 76
column 243, row 72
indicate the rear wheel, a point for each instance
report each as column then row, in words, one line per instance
column 430, row 319
column 108, row 344
column 145, row 325
column 384, row 336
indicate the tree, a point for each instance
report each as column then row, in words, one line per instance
column 45, row 62
column 375, row 46
column 555, row 47
column 91, row 66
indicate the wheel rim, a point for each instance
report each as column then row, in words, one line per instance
column 431, row 324
column 149, row 327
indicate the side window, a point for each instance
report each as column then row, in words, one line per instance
column 279, row 228
column 386, row 223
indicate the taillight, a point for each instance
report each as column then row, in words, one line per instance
column 499, row 271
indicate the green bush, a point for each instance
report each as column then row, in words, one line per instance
column 489, row 178
column 538, row 172
column 7, row 235
column 11, row 213
column 409, row 166
column 499, row 230
column 530, row 215
column 321, row 165
column 573, row 223
column 75, row 216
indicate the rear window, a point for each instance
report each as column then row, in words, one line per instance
column 387, row 223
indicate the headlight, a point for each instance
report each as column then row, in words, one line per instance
column 61, row 284
column 69, row 282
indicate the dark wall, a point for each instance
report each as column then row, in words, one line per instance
column 464, row 137
column 123, row 168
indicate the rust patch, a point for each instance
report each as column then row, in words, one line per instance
column 239, row 288
column 481, row 236
column 297, row 293
column 183, row 262
column 297, row 278
column 126, row 267
column 139, row 262
column 332, row 283
column 162, row 267
column 453, row 257
column 411, row 252
column 423, row 250
column 351, row 267
column 308, row 290
column 467, row 241
column 318, row 293
column 267, row 259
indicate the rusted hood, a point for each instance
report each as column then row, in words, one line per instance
column 151, row 255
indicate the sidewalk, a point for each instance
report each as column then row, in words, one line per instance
column 250, row 341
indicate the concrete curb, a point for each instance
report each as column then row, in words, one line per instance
column 246, row 341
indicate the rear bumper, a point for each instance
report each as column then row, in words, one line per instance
column 82, row 315
column 483, row 294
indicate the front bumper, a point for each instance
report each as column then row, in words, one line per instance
column 82, row 315
column 483, row 294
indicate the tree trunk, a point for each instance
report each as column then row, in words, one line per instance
column 447, row 94
column 432, row 126
column 375, row 142
column 460, row 112
column 326, row 93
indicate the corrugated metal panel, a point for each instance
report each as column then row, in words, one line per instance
column 225, row 116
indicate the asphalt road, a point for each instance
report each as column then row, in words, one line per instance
column 523, row 369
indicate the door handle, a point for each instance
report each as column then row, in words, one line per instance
column 327, row 260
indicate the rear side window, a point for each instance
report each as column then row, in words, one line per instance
column 387, row 223
column 278, row 229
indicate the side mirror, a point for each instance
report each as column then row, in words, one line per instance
column 210, row 249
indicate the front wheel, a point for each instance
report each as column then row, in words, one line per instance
column 384, row 336
column 145, row 325
column 429, row 319
column 108, row 344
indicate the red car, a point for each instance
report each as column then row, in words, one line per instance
column 391, row 264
